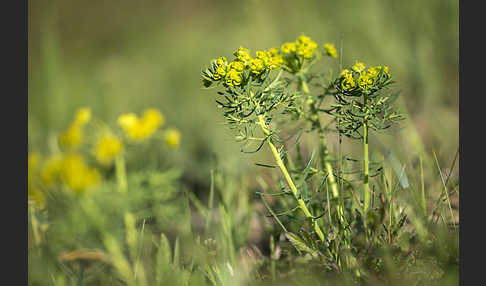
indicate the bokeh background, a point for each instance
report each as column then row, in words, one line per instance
column 121, row 56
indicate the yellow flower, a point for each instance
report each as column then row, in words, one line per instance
column 107, row 148
column 221, row 61
column 233, row 77
column 151, row 120
column 344, row 72
column 76, row 175
column 257, row 66
column 172, row 137
column 288, row 48
column 236, row 65
column 71, row 138
column 373, row 72
column 331, row 50
column 243, row 55
column 365, row 81
column 358, row 66
column 128, row 120
column 273, row 51
column 220, row 71
column 348, row 82
column 51, row 171
column 303, row 39
column 140, row 129
column 306, row 49
column 83, row 116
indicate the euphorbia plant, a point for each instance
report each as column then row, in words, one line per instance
column 364, row 102
column 255, row 95
column 261, row 94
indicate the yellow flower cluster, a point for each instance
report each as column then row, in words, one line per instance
column 243, row 55
column 71, row 170
column 348, row 82
column 73, row 136
column 140, row 129
column 330, row 50
column 172, row 137
column 232, row 72
column 107, row 148
column 76, row 175
column 303, row 46
column 360, row 77
column 358, row 67
column 288, row 48
column 221, row 68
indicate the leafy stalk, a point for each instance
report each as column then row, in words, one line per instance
column 288, row 179
column 325, row 162
column 367, row 193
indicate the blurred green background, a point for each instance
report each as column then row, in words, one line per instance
column 122, row 56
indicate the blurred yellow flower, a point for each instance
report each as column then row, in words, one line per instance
column 331, row 50
column 83, row 116
column 71, row 138
column 172, row 137
column 51, row 170
column 140, row 129
column 107, row 148
column 76, row 175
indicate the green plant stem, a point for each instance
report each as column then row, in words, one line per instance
column 121, row 173
column 423, row 202
column 325, row 162
column 367, row 193
column 35, row 226
column 293, row 189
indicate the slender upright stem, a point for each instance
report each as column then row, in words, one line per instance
column 367, row 193
column 326, row 164
column 423, row 203
column 293, row 189
column 121, row 173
